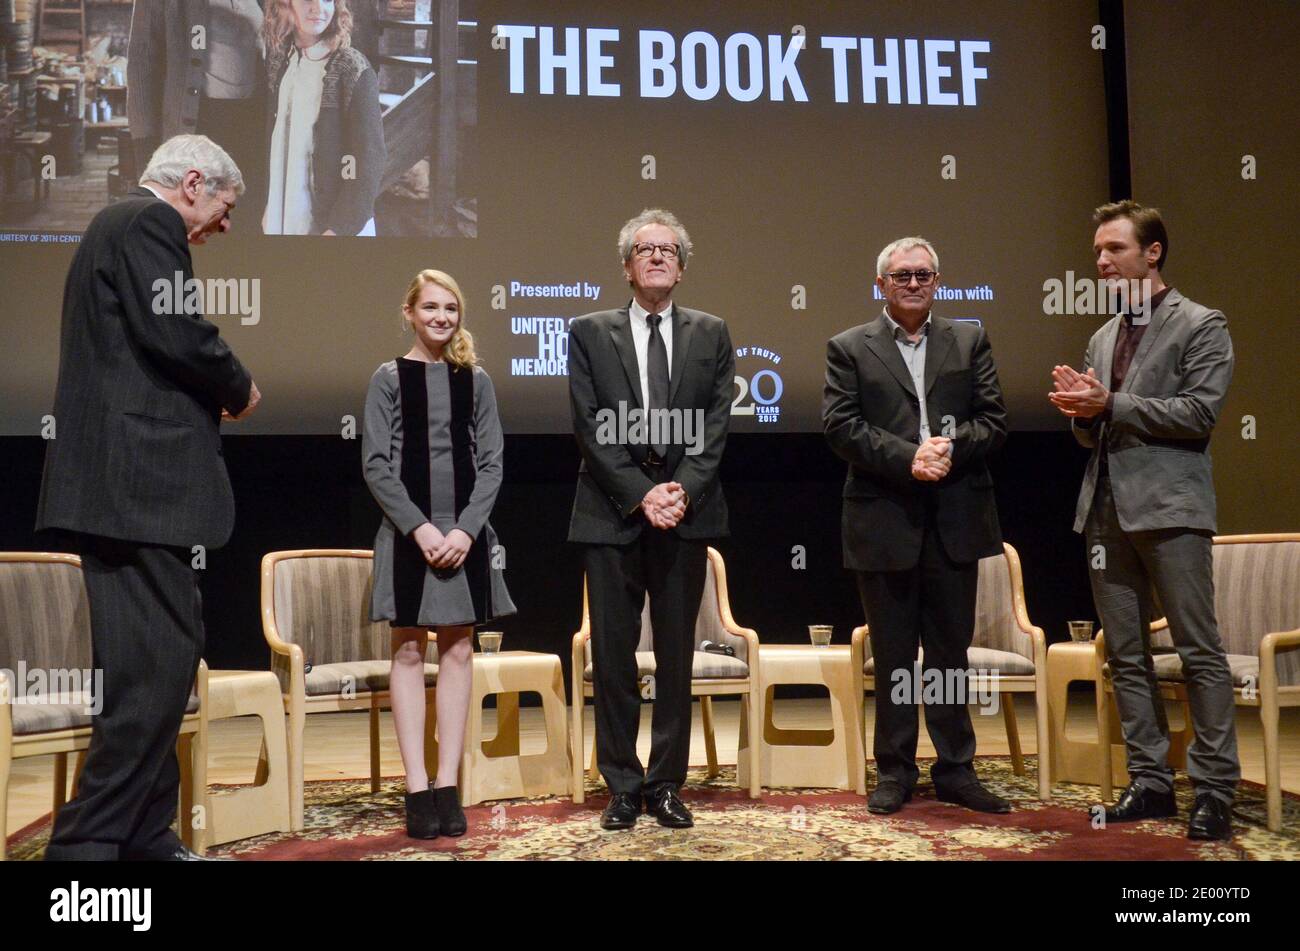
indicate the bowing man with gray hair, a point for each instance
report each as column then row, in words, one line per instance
column 137, row 480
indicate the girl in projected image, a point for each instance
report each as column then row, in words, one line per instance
column 432, row 455
column 327, row 151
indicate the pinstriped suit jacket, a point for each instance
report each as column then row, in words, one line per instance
column 137, row 448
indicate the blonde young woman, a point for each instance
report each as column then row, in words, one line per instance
column 323, row 99
column 432, row 452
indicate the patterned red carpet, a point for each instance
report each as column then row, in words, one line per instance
column 345, row 822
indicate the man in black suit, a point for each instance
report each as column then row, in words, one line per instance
column 647, row 502
column 913, row 404
column 135, row 473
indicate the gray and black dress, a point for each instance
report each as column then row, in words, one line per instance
column 432, row 452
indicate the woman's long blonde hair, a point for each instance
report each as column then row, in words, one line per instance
column 460, row 349
column 278, row 29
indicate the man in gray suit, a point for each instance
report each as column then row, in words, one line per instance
column 136, row 475
column 1155, row 381
column 647, row 502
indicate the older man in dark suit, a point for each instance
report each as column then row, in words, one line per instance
column 912, row 403
column 648, row 499
column 136, row 474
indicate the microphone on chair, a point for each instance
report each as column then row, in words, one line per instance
column 713, row 648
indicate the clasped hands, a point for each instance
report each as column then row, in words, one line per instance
column 664, row 505
column 442, row 551
column 933, row 459
column 1078, row 395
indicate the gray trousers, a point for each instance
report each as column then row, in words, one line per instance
column 1177, row 563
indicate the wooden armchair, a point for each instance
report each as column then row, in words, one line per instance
column 711, row 675
column 45, row 626
column 1009, row 650
column 1257, row 604
column 328, row 654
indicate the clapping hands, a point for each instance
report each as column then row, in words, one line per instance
column 1077, row 394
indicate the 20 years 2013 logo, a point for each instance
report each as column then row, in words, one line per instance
column 758, row 391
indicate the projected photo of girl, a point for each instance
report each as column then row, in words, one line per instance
column 326, row 150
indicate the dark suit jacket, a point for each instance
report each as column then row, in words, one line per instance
column 603, row 373
column 871, row 416
column 137, row 449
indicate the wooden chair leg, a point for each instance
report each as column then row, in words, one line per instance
column 374, row 745
column 1269, row 716
column 60, row 783
column 6, row 761
column 431, row 732
column 1013, row 733
column 297, row 727
column 263, row 765
column 576, row 741
column 188, row 793
column 1103, row 742
column 593, row 772
column 76, row 771
column 754, row 700
column 710, row 741
column 1044, row 738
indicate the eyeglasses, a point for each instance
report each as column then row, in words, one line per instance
column 647, row 250
column 903, row 278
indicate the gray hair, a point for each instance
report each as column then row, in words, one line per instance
column 904, row 244
column 171, row 160
column 653, row 216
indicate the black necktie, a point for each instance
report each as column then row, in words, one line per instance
column 657, row 378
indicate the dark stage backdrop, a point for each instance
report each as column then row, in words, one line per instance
column 783, row 491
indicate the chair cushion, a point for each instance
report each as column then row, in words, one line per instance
column 63, row 712
column 361, row 676
column 1244, row 667
column 1005, row 663
column 705, row 665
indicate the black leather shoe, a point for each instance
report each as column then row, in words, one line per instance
column 622, row 811
column 974, row 796
column 422, row 815
column 1211, row 819
column 1136, row 803
column 888, row 797
column 668, row 808
column 451, row 817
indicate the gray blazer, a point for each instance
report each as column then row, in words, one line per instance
column 1158, row 435
column 137, row 449
column 603, row 372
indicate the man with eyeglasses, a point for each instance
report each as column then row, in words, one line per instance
column 912, row 403
column 645, row 509
column 1154, row 381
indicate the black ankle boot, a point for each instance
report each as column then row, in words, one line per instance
column 450, row 816
column 421, row 815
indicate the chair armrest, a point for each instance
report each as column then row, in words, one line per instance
column 1272, row 644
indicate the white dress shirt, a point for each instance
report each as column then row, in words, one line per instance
column 914, row 357
column 641, row 340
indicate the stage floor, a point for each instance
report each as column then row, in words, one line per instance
column 337, row 744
